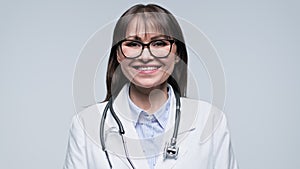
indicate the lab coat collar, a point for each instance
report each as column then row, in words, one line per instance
column 121, row 107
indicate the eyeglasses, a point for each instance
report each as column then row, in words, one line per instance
column 159, row 48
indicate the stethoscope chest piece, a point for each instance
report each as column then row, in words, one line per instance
column 171, row 151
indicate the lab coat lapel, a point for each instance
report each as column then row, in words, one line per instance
column 122, row 110
column 186, row 126
column 161, row 163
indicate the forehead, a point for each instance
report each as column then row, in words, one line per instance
column 144, row 27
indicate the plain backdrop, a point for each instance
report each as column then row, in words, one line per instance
column 257, row 41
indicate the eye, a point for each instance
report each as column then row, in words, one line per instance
column 160, row 43
column 132, row 44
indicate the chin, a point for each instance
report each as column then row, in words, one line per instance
column 146, row 81
column 147, row 84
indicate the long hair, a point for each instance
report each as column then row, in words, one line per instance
column 162, row 20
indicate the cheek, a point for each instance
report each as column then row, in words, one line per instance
column 170, row 69
column 170, row 64
column 172, row 59
column 123, row 64
column 126, row 69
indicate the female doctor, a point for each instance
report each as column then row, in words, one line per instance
column 146, row 122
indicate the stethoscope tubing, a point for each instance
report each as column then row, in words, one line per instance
column 109, row 106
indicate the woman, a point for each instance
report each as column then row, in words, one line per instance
column 145, row 120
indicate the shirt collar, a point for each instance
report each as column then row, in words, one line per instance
column 161, row 115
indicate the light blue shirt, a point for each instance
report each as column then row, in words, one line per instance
column 150, row 126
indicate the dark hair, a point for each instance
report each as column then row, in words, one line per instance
column 162, row 20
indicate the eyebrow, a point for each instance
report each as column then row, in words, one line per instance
column 135, row 37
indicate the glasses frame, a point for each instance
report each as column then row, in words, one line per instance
column 172, row 41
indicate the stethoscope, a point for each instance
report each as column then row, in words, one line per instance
column 170, row 150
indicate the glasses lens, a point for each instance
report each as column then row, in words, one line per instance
column 131, row 49
column 158, row 48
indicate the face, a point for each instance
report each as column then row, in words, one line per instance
column 146, row 71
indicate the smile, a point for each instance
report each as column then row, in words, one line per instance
column 146, row 68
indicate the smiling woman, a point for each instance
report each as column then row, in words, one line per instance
column 146, row 97
column 148, row 68
column 137, row 27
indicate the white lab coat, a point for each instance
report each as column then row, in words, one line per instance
column 203, row 138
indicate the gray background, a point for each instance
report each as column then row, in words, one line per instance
column 257, row 41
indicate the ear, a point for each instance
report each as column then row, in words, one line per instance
column 120, row 56
column 177, row 59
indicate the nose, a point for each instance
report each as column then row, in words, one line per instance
column 146, row 55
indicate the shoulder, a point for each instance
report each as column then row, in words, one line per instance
column 208, row 118
column 204, row 105
column 88, row 120
column 91, row 111
column 203, row 108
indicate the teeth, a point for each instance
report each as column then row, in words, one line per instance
column 147, row 68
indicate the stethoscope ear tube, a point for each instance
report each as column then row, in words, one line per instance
column 121, row 131
column 102, row 134
column 102, row 127
column 121, row 128
column 171, row 149
column 177, row 117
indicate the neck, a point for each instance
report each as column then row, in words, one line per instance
column 149, row 99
